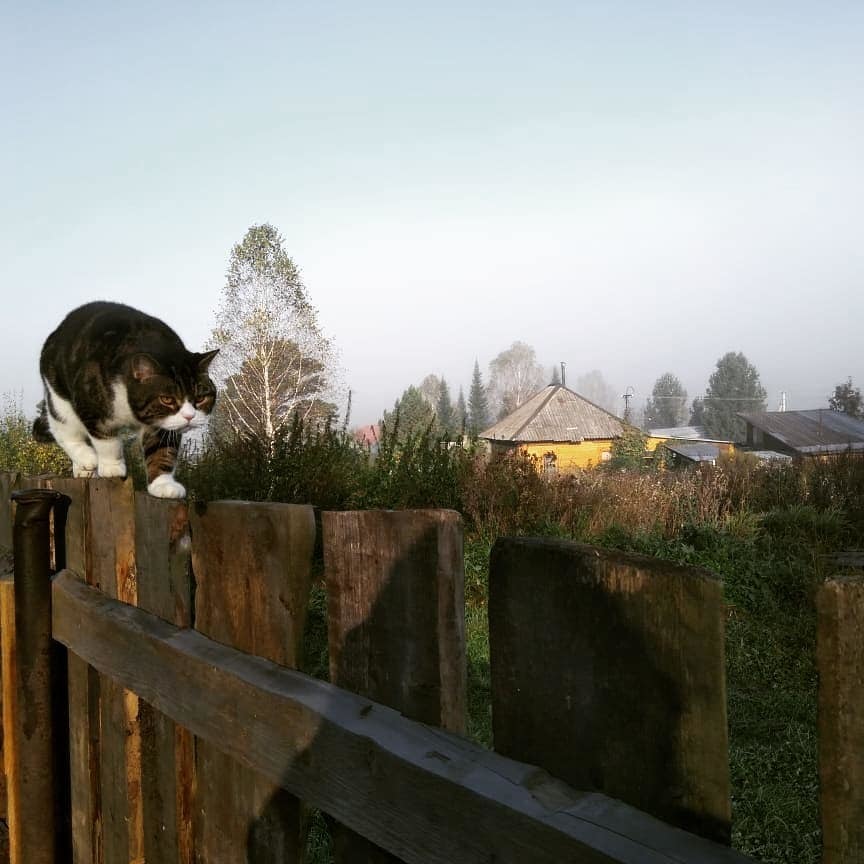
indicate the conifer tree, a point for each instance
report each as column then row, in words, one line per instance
column 460, row 414
column 478, row 404
column 444, row 409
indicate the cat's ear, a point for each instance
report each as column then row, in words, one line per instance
column 144, row 367
column 205, row 359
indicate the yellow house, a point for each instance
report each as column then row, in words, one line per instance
column 563, row 430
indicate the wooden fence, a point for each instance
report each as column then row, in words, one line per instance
column 184, row 734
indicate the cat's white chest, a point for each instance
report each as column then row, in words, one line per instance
column 122, row 415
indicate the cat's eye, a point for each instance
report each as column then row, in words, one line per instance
column 168, row 400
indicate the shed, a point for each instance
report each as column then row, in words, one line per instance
column 693, row 452
column 817, row 432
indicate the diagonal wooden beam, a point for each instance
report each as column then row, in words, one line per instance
column 428, row 796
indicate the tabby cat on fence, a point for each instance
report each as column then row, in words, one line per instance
column 108, row 369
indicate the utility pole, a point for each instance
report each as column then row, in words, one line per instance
column 563, row 379
column 627, row 395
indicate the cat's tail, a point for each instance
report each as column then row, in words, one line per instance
column 41, row 429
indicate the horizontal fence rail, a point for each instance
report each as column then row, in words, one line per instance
column 190, row 738
column 421, row 793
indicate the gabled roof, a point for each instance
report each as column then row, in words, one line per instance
column 818, row 431
column 556, row 414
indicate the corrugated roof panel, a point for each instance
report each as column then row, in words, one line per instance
column 695, row 452
column 819, row 430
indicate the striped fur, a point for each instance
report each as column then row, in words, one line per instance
column 109, row 369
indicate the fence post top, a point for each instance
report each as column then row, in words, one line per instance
column 35, row 505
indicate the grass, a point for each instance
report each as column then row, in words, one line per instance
column 767, row 532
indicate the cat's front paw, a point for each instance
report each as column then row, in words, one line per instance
column 86, row 471
column 114, row 468
column 165, row 486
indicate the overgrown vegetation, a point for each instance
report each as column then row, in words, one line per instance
column 769, row 531
column 18, row 451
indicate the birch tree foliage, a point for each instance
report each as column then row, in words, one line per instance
column 274, row 363
column 514, row 377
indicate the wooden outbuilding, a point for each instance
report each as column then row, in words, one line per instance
column 819, row 432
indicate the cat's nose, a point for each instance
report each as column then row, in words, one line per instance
column 187, row 412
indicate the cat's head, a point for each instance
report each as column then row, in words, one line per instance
column 175, row 394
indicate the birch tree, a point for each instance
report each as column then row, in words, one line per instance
column 514, row 377
column 274, row 363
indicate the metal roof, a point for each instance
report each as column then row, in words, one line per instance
column 678, row 432
column 769, row 455
column 556, row 414
column 695, row 452
column 686, row 433
column 817, row 431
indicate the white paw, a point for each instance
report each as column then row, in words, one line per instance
column 79, row 470
column 165, row 486
column 112, row 468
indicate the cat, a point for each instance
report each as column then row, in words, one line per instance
column 108, row 369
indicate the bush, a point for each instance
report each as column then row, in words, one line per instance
column 19, row 452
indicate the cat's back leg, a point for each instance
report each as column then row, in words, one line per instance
column 70, row 433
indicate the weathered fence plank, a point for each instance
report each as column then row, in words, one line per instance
column 9, row 706
column 7, row 484
column 840, row 658
column 396, row 621
column 84, row 719
column 424, row 794
column 252, row 566
column 34, row 684
column 608, row 670
column 167, row 753
column 112, row 568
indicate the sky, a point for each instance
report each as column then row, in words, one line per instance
column 625, row 186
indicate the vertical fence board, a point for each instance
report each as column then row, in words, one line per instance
column 396, row 622
column 10, row 707
column 252, row 570
column 83, row 692
column 608, row 671
column 165, row 589
column 840, row 658
column 111, row 545
column 7, row 484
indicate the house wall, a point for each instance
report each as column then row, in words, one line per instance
column 569, row 456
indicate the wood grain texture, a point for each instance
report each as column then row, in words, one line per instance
column 34, row 680
column 7, row 484
column 840, row 659
column 608, row 670
column 6, row 585
column 84, row 704
column 112, row 568
column 9, row 686
column 167, row 753
column 396, row 621
column 252, row 567
column 424, row 794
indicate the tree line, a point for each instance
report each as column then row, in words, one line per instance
column 276, row 366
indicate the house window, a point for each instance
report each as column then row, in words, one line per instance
column 550, row 463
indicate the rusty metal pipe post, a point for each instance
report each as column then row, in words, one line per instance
column 37, row 823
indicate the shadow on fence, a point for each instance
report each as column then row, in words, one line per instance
column 190, row 738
